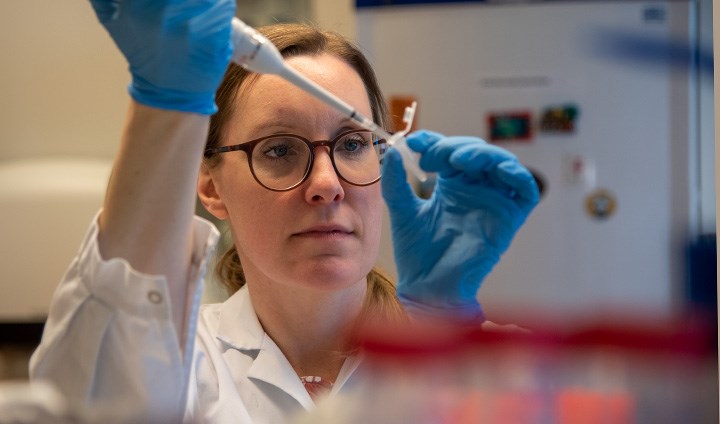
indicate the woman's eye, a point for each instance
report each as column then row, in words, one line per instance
column 353, row 144
column 281, row 148
column 277, row 151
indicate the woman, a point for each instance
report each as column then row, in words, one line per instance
column 306, row 252
column 124, row 327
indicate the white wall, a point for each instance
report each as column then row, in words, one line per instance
column 63, row 85
column 336, row 15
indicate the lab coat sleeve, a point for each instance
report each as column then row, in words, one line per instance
column 109, row 339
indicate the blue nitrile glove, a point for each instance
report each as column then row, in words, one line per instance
column 177, row 50
column 446, row 245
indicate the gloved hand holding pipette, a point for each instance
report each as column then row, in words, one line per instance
column 177, row 52
column 446, row 245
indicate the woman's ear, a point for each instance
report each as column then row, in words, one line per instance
column 208, row 195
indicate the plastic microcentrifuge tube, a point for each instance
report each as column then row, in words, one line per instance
column 410, row 159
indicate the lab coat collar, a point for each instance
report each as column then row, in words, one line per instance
column 239, row 328
column 272, row 367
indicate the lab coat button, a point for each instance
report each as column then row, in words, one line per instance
column 154, row 297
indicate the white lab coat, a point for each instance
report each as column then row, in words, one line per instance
column 109, row 342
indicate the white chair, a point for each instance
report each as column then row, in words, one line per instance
column 46, row 206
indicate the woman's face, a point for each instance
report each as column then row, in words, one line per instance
column 324, row 234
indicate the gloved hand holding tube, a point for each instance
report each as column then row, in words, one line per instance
column 445, row 246
column 177, row 51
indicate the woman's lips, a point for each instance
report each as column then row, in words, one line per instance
column 325, row 231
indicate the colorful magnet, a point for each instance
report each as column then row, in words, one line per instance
column 509, row 126
column 600, row 204
column 561, row 119
column 580, row 170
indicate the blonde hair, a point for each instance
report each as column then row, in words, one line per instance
column 381, row 301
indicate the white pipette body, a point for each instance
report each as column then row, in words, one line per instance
column 256, row 53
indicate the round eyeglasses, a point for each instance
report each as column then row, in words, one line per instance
column 281, row 162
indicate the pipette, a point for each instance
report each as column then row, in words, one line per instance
column 256, row 53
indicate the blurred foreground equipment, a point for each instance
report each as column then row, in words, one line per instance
column 595, row 373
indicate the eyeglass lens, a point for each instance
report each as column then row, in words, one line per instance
column 282, row 162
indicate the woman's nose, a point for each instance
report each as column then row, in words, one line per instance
column 323, row 183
